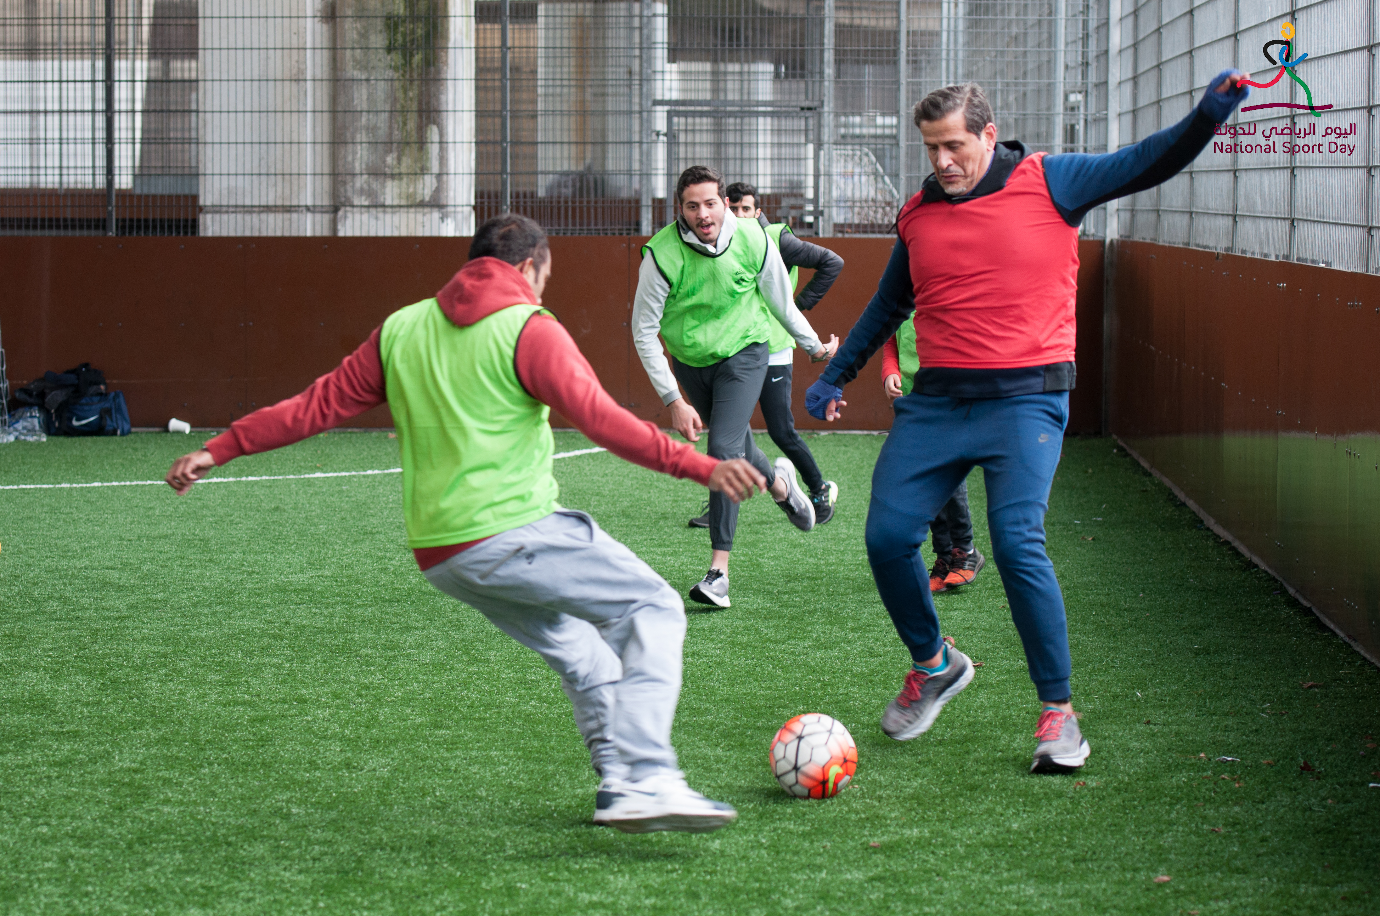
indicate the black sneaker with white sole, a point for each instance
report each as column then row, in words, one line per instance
column 823, row 500
column 712, row 589
column 1062, row 747
column 796, row 505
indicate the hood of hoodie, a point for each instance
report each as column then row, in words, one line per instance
column 482, row 287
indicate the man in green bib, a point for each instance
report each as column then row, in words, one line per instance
column 471, row 376
column 709, row 284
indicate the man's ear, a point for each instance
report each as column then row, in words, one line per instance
column 989, row 135
column 528, row 268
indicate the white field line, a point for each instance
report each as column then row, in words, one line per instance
column 149, row 483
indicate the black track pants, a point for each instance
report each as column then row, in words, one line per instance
column 776, row 410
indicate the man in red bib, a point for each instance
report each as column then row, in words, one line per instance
column 986, row 269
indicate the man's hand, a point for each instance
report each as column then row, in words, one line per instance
column 737, row 479
column 686, row 420
column 892, row 386
column 826, row 351
column 823, row 400
column 188, row 469
column 1227, row 90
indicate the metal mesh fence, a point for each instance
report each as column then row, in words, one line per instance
column 422, row 117
column 1293, row 175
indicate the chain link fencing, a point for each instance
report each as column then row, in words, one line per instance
column 1293, row 175
column 417, row 117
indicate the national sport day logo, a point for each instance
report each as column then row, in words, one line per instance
column 1286, row 63
column 1296, row 136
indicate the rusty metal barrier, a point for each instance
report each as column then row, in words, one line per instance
column 1250, row 387
column 208, row 329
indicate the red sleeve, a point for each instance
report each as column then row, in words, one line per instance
column 891, row 358
column 351, row 388
column 556, row 373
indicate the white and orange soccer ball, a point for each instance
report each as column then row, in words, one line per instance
column 813, row 756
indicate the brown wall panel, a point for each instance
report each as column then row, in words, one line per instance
column 1250, row 386
column 208, row 329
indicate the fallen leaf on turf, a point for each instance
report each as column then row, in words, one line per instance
column 1309, row 685
column 1085, row 539
column 874, row 845
column 1215, row 829
column 1331, row 802
column 1268, row 763
column 975, row 664
column 1238, row 783
column 1306, row 767
column 1079, row 783
column 1147, row 722
column 1202, row 756
column 1229, row 759
column 392, row 435
column 1163, row 879
column 1371, row 744
column 1192, row 913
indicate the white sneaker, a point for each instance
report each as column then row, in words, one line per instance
column 662, row 802
column 609, row 790
column 797, row 505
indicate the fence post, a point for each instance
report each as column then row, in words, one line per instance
column 109, row 117
column 506, row 142
column 902, row 114
column 826, row 129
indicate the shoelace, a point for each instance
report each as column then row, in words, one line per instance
column 1051, row 725
column 910, row 690
column 712, row 576
column 959, row 559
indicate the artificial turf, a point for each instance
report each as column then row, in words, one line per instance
column 249, row 701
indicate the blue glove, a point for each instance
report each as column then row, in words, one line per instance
column 1220, row 105
column 818, row 396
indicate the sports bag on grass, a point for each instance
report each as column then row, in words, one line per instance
column 94, row 415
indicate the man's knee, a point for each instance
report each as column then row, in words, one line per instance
column 1018, row 536
column 890, row 534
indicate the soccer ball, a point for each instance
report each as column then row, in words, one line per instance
column 813, row 756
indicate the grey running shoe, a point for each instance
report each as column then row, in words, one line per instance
column 923, row 695
column 824, row 499
column 701, row 520
column 712, row 589
column 663, row 802
column 796, row 505
column 1062, row 747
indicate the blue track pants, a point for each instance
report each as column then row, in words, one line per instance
column 933, row 445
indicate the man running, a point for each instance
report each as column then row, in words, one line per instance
column 957, row 561
column 987, row 260
column 775, row 399
column 471, row 377
column 708, row 284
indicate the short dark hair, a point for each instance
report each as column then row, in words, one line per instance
column 698, row 174
column 511, row 237
column 968, row 97
column 740, row 189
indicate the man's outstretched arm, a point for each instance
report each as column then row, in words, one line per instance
column 1080, row 181
column 353, row 387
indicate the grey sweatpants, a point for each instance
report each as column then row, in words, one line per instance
column 600, row 618
column 725, row 394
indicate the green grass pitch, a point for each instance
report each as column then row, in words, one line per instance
column 249, row 701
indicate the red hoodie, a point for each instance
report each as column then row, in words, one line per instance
column 549, row 365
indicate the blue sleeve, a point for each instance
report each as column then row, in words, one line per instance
column 1080, row 181
column 893, row 302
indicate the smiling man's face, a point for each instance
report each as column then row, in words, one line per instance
column 703, row 209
